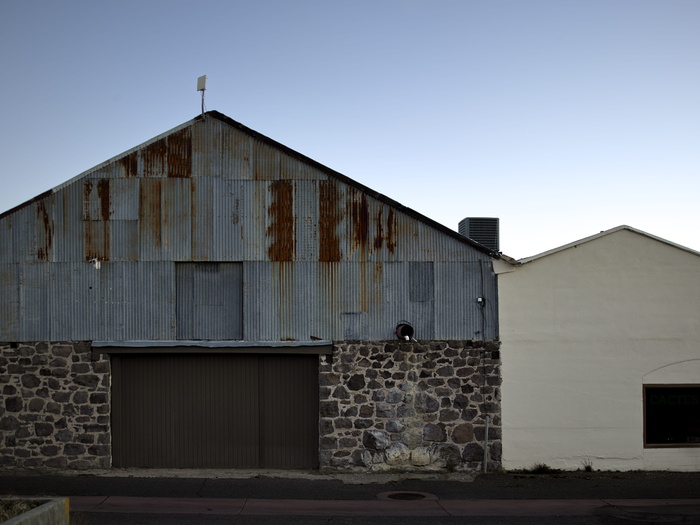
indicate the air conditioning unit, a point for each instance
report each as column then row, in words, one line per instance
column 483, row 230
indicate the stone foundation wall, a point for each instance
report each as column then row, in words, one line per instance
column 383, row 405
column 55, row 406
column 410, row 405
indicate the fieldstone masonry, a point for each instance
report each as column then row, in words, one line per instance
column 55, row 406
column 383, row 405
column 421, row 405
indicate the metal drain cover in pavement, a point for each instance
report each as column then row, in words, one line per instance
column 404, row 495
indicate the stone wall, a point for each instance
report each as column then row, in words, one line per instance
column 55, row 406
column 411, row 406
column 383, row 405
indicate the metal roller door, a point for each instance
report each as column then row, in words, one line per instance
column 215, row 410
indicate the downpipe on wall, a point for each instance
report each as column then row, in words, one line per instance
column 486, row 445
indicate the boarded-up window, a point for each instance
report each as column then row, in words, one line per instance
column 210, row 301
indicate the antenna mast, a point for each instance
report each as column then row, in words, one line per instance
column 202, row 86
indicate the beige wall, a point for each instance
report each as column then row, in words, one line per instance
column 582, row 330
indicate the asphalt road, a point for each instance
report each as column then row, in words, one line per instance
column 509, row 486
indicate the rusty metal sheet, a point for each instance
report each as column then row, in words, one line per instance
column 322, row 257
column 281, row 223
column 179, row 154
column 330, row 217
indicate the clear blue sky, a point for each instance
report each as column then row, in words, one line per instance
column 561, row 117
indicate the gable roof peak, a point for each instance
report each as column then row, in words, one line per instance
column 604, row 233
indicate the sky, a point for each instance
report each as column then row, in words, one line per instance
column 562, row 118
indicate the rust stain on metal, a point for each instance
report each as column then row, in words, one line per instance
column 97, row 229
column 130, row 164
column 379, row 237
column 97, row 240
column 87, row 191
column 329, row 217
column 281, row 228
column 391, row 230
column 104, row 196
column 153, row 159
column 150, row 223
column 44, row 247
column 359, row 214
column 179, row 154
column 363, row 286
column 377, row 279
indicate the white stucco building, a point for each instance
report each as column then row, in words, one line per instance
column 601, row 355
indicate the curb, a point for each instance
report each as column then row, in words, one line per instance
column 55, row 511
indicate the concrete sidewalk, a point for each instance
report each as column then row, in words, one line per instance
column 386, row 506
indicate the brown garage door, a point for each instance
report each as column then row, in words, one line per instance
column 215, row 410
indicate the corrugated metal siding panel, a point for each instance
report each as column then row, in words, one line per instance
column 254, row 227
column 62, row 308
column 297, row 301
column 215, row 218
column 292, row 169
column 77, row 301
column 396, row 302
column 23, row 235
column 436, row 246
column 211, row 149
column 326, row 301
column 330, row 254
column 226, row 242
column 176, row 218
column 367, row 300
column 85, row 315
column 9, row 303
column 220, row 151
column 153, row 296
column 237, row 154
column 150, row 222
column 96, row 198
column 69, row 240
column 35, row 300
column 260, row 302
column 210, row 301
column 124, row 240
column 216, row 236
column 461, row 316
column 306, row 214
column 7, row 254
column 44, row 229
column 207, row 149
column 266, row 161
column 124, row 200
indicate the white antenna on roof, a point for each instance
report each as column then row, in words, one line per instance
column 202, row 86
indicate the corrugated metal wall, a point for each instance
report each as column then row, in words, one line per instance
column 320, row 256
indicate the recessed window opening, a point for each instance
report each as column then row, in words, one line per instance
column 672, row 416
